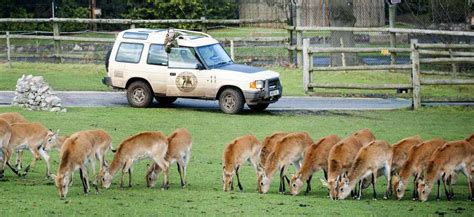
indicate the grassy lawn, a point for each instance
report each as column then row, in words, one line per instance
column 88, row 77
column 59, row 76
column 35, row 195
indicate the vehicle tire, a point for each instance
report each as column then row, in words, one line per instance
column 231, row 101
column 139, row 94
column 165, row 100
column 258, row 107
column 107, row 57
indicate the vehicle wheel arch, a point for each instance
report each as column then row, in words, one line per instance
column 221, row 89
column 131, row 80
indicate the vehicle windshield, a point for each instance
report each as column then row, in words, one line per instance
column 214, row 55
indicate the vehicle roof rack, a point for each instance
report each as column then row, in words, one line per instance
column 192, row 32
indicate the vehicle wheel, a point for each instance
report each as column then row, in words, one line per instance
column 231, row 101
column 165, row 100
column 258, row 107
column 139, row 94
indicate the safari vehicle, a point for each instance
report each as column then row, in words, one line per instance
column 198, row 67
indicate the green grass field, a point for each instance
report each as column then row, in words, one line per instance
column 212, row 130
column 88, row 77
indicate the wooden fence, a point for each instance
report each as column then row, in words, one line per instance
column 416, row 51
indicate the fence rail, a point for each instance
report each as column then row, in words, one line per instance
column 416, row 50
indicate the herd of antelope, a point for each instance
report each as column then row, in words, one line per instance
column 353, row 163
column 349, row 164
column 80, row 150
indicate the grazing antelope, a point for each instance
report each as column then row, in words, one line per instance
column 289, row 149
column 244, row 148
column 452, row 157
column 370, row 159
column 315, row 158
column 179, row 150
column 341, row 157
column 28, row 136
column 400, row 152
column 5, row 134
column 79, row 149
column 418, row 157
column 150, row 144
column 268, row 145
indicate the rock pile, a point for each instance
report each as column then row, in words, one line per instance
column 33, row 93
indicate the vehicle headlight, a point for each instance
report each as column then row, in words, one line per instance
column 258, row 84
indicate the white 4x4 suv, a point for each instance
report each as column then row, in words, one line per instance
column 198, row 68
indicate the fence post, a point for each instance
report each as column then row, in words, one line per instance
column 57, row 42
column 8, row 50
column 453, row 65
column 232, row 50
column 290, row 43
column 415, row 74
column 393, row 37
column 306, row 64
column 299, row 36
column 203, row 24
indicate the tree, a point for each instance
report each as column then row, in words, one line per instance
column 342, row 15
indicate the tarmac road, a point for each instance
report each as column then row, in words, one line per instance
column 117, row 99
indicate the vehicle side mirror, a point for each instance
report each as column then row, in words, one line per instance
column 199, row 66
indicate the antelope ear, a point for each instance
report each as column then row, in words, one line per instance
column 324, row 182
column 344, row 175
column 338, row 178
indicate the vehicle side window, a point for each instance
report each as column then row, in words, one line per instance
column 129, row 52
column 182, row 58
column 157, row 55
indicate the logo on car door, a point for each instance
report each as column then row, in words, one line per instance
column 186, row 81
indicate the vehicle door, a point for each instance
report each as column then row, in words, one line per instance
column 186, row 74
column 156, row 68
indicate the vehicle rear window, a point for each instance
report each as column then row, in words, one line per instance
column 129, row 52
column 157, row 55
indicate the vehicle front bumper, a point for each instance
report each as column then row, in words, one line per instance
column 263, row 95
column 107, row 81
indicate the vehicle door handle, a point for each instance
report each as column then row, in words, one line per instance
column 172, row 74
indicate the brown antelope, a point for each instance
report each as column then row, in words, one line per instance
column 371, row 158
column 150, row 144
column 5, row 134
column 418, row 157
column 452, row 157
column 268, row 145
column 179, row 150
column 244, row 148
column 79, row 149
column 28, row 136
column 13, row 118
column 341, row 157
column 315, row 158
column 400, row 152
column 289, row 149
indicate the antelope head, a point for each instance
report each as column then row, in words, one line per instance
column 227, row 178
column 344, row 188
column 62, row 184
column 152, row 175
column 399, row 187
column 295, row 184
column 424, row 190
